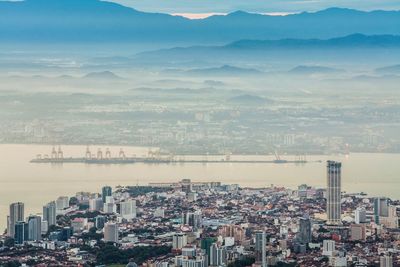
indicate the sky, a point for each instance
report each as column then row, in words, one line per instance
column 201, row 8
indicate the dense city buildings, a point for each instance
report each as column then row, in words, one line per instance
column 200, row 133
column 163, row 225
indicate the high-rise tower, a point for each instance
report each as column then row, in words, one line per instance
column 106, row 191
column 16, row 215
column 49, row 213
column 333, row 192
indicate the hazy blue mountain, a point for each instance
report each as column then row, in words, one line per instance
column 395, row 69
column 302, row 69
column 354, row 40
column 355, row 47
column 100, row 21
column 106, row 75
column 225, row 70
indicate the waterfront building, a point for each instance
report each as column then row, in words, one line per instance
column 49, row 213
column 21, row 233
column 16, row 215
column 105, row 192
column 45, row 227
column 34, row 228
column 62, row 203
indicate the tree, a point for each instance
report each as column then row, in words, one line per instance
column 9, row 242
column 248, row 261
column 13, row 263
column 110, row 254
column 92, row 235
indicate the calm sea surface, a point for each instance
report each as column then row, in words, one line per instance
column 37, row 184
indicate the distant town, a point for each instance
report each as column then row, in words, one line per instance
column 200, row 224
column 225, row 121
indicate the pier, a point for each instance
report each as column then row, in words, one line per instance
column 57, row 157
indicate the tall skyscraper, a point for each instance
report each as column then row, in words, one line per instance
column 111, row 232
column 305, row 234
column 193, row 219
column 217, row 255
column 16, row 215
column 106, row 191
column 260, row 248
column 179, row 240
column 206, row 245
column 49, row 213
column 381, row 208
column 333, row 192
column 34, row 228
column 62, row 203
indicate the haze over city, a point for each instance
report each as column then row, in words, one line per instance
column 199, row 133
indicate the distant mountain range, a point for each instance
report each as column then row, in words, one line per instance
column 395, row 69
column 314, row 70
column 102, row 75
column 356, row 40
column 348, row 47
column 225, row 70
column 101, row 21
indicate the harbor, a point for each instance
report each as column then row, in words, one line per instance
column 155, row 157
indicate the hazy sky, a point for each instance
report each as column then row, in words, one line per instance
column 259, row 6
